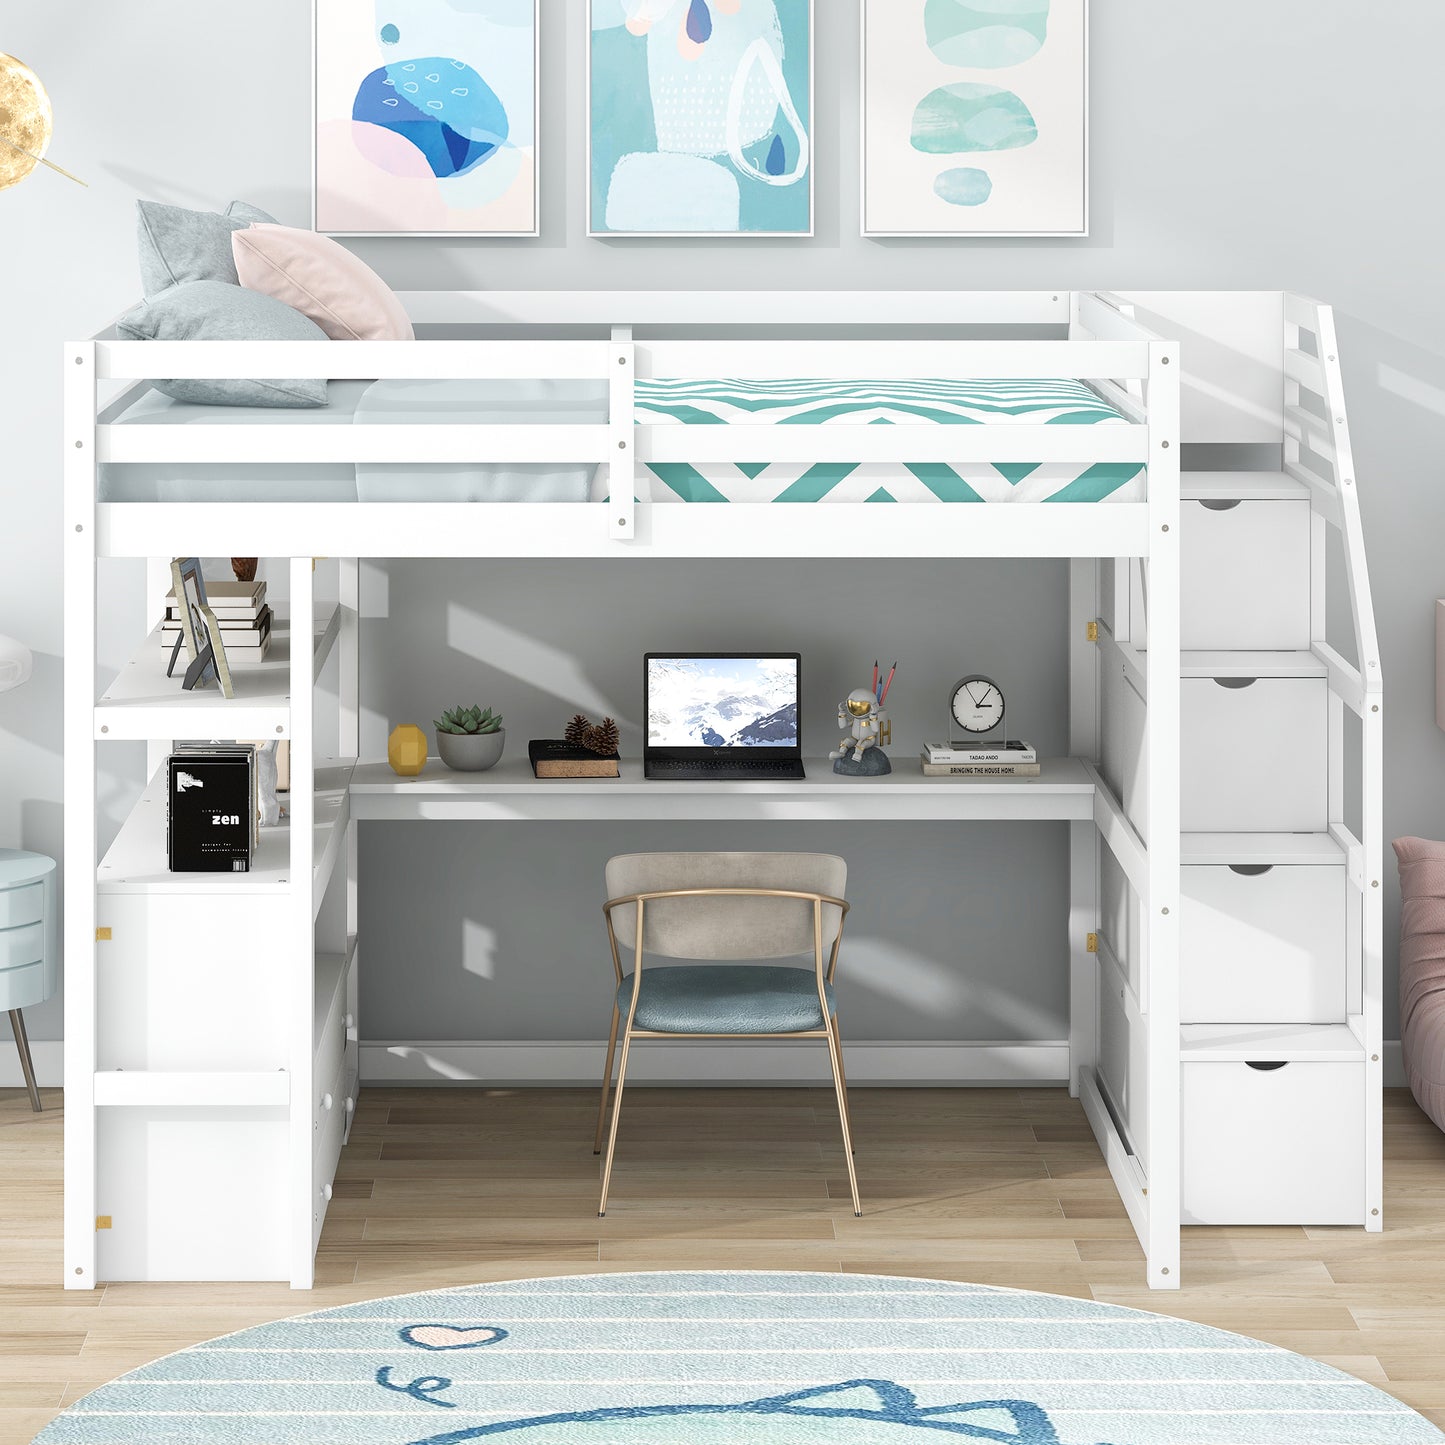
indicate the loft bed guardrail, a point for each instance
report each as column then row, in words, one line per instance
column 1099, row 346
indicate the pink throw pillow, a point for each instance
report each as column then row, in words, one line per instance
column 322, row 280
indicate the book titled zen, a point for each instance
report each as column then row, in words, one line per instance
column 209, row 811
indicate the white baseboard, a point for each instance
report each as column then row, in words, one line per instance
column 47, row 1055
column 572, row 1063
column 709, row 1061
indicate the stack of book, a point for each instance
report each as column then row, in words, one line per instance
column 995, row 759
column 243, row 614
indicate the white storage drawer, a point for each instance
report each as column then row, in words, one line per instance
column 1280, row 1145
column 331, row 1132
column 1245, row 575
column 1255, row 755
column 194, row 1193
column 1262, row 944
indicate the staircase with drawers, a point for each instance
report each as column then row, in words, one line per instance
column 1280, row 952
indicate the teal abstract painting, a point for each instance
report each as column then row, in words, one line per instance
column 701, row 118
column 975, row 118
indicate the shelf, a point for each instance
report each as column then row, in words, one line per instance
column 136, row 861
column 1241, row 486
column 136, row 1088
column 1294, row 1043
column 1275, row 849
column 1064, row 790
column 143, row 703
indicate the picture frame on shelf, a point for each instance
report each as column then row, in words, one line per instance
column 200, row 632
column 218, row 652
column 189, row 587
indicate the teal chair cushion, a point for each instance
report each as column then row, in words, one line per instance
column 726, row 998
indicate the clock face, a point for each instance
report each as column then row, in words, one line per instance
column 977, row 704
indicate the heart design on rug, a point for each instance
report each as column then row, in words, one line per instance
column 452, row 1337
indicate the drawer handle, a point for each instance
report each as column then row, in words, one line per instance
column 1266, row 1066
column 1220, row 504
column 349, row 1022
column 1235, row 683
column 326, row 1192
column 351, row 1106
column 326, row 1101
column 1251, row 870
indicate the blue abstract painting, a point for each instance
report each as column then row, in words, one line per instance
column 701, row 117
column 426, row 117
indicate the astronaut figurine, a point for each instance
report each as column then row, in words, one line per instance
column 868, row 732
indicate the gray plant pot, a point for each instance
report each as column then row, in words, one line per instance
column 471, row 753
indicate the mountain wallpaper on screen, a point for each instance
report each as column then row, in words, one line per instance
column 699, row 702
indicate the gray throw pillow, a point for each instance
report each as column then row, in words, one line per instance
column 216, row 311
column 251, row 215
column 177, row 245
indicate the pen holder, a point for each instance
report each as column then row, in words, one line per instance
column 859, row 753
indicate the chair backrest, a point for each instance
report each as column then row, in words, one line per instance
column 706, row 927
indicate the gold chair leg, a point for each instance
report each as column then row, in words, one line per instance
column 843, row 1075
column 616, row 1115
column 835, row 1053
column 606, row 1079
column 22, row 1047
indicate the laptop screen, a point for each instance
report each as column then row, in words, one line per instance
column 722, row 701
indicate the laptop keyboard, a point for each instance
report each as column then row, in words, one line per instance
column 735, row 769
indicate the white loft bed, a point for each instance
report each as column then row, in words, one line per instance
column 215, row 1161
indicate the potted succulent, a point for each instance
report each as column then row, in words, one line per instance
column 470, row 740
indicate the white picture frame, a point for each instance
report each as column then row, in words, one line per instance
column 1038, row 188
column 334, row 211
column 671, row 13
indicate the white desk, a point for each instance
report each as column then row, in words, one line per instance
column 1064, row 791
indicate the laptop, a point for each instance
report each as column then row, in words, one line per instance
column 725, row 715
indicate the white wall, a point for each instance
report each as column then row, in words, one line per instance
column 1293, row 144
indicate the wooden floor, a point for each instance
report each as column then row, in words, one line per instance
column 998, row 1186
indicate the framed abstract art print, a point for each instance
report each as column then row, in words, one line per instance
column 975, row 118
column 700, row 118
column 425, row 118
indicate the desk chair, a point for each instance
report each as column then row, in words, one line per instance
column 724, row 906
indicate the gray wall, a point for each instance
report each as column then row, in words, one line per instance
column 1234, row 145
column 494, row 930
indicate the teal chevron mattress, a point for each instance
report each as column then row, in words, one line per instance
column 1061, row 402
column 658, row 403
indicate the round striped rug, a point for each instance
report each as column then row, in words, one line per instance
column 735, row 1358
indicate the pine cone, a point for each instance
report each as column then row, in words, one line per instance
column 244, row 568
column 577, row 730
column 605, row 737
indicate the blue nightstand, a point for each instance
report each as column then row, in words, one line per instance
column 29, row 958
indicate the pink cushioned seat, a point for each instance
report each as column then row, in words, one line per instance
column 1422, row 970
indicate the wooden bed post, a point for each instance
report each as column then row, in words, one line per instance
column 1083, row 837
column 300, row 939
column 1162, row 722
column 80, row 832
column 622, row 434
